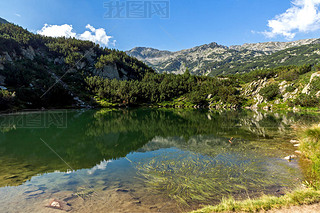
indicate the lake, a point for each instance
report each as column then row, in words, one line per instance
column 144, row 160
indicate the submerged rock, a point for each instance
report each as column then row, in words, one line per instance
column 122, row 190
column 58, row 204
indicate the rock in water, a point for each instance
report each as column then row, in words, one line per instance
column 58, row 204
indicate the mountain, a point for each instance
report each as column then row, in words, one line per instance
column 214, row 59
column 3, row 21
column 39, row 71
column 272, row 47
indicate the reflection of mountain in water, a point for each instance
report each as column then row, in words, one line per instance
column 91, row 137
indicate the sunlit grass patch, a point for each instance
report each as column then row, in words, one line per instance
column 310, row 147
column 298, row 197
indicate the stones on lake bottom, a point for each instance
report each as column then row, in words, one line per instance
column 58, row 204
column 34, row 193
column 122, row 190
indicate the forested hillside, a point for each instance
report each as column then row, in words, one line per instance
column 38, row 71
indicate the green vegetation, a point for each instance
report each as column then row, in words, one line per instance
column 159, row 88
column 295, row 56
column 81, row 70
column 283, row 73
column 190, row 178
column 290, row 88
column 6, row 99
column 298, row 197
column 310, row 148
column 305, row 100
column 33, row 63
column 270, row 92
column 315, row 86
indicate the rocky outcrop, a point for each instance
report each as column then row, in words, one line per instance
column 306, row 89
column 272, row 47
column 28, row 53
column 112, row 72
column 286, row 95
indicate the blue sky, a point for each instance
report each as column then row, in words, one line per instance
column 190, row 22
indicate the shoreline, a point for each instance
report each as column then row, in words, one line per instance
column 159, row 106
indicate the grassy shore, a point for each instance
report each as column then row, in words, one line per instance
column 310, row 148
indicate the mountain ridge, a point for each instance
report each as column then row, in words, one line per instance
column 212, row 58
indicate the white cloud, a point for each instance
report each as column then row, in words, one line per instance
column 303, row 16
column 57, row 31
column 98, row 36
column 17, row 14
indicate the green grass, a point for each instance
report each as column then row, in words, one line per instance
column 298, row 197
column 310, row 148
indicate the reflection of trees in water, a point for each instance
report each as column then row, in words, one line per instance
column 183, row 123
column 93, row 136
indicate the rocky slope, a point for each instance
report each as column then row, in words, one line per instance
column 214, row 59
column 272, row 47
column 290, row 92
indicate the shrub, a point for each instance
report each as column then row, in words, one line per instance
column 305, row 100
column 6, row 99
column 270, row 92
column 315, row 85
column 290, row 88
